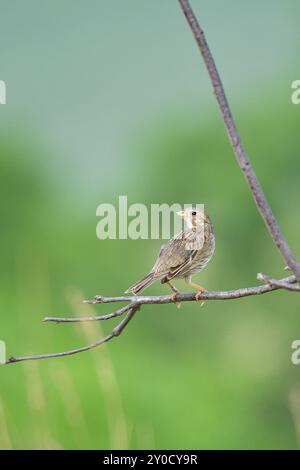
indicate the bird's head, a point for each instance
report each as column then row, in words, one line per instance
column 193, row 217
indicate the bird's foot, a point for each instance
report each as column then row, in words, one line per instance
column 199, row 288
column 176, row 292
column 174, row 296
column 198, row 295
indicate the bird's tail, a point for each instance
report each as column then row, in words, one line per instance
column 141, row 284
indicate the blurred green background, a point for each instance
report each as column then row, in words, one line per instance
column 111, row 98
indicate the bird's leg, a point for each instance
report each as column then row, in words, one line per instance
column 176, row 292
column 174, row 289
column 199, row 288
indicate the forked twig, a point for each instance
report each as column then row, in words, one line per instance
column 135, row 302
column 115, row 332
column 281, row 283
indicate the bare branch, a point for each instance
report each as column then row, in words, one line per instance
column 115, row 332
column 190, row 297
column 282, row 283
column 108, row 316
column 135, row 302
column 238, row 148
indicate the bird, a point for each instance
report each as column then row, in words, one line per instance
column 186, row 254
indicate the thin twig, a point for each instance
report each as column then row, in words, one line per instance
column 107, row 316
column 115, row 332
column 238, row 148
column 281, row 283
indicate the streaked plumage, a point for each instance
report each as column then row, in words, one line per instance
column 186, row 254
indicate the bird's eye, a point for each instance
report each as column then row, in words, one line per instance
column 194, row 213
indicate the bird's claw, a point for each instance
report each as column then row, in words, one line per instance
column 174, row 296
column 198, row 295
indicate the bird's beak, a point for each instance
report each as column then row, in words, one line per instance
column 181, row 214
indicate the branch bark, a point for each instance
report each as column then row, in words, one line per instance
column 238, row 148
column 135, row 303
column 283, row 283
column 115, row 332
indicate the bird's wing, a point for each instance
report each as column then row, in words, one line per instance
column 177, row 270
column 173, row 257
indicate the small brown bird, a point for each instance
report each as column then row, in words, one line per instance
column 186, row 254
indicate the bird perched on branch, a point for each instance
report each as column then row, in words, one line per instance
column 186, row 254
